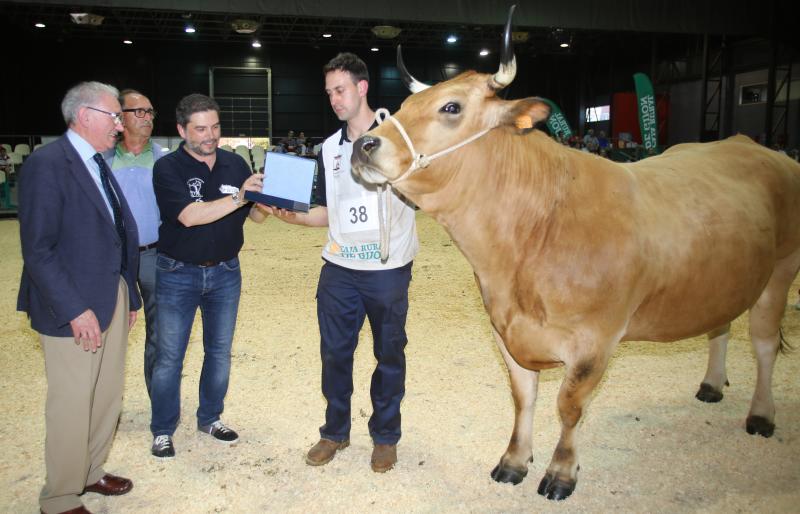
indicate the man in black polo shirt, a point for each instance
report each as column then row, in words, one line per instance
column 200, row 193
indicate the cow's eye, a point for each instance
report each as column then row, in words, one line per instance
column 451, row 108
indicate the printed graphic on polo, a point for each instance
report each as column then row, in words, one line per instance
column 195, row 188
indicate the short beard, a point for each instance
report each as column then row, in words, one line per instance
column 199, row 150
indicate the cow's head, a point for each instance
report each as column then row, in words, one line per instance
column 435, row 120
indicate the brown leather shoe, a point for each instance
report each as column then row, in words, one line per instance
column 322, row 452
column 76, row 510
column 110, row 485
column 384, row 457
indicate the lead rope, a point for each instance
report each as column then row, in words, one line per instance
column 418, row 161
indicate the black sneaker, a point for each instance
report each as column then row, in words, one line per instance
column 220, row 432
column 162, row 447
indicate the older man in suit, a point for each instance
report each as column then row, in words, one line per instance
column 80, row 253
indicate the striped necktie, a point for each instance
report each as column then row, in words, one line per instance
column 115, row 207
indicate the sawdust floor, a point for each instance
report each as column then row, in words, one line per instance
column 646, row 445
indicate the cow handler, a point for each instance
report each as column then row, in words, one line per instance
column 354, row 282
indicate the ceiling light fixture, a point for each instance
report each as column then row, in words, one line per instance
column 243, row 26
column 127, row 41
column 386, row 31
column 189, row 29
column 256, row 44
column 86, row 18
column 327, row 35
column 564, row 45
column 39, row 25
column 451, row 39
column 484, row 52
column 374, row 49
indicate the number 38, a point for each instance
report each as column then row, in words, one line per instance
column 359, row 215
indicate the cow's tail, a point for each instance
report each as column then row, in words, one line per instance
column 785, row 348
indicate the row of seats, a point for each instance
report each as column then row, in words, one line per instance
column 254, row 157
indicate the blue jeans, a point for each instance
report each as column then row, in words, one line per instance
column 147, row 285
column 344, row 298
column 180, row 289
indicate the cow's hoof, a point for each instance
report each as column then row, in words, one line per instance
column 760, row 426
column 708, row 394
column 553, row 488
column 508, row 475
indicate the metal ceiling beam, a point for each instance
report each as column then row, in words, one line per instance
column 732, row 17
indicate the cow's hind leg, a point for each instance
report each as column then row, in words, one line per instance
column 716, row 377
column 765, row 334
column 513, row 464
column 576, row 391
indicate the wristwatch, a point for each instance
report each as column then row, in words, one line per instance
column 238, row 200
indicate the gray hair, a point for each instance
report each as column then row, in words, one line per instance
column 82, row 95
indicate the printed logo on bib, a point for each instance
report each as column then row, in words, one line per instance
column 337, row 164
column 360, row 252
column 358, row 214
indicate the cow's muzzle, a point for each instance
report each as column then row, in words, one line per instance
column 362, row 162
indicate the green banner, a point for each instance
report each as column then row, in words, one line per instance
column 646, row 103
column 557, row 123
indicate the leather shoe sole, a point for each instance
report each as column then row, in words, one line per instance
column 110, row 485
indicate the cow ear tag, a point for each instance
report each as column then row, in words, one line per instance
column 524, row 122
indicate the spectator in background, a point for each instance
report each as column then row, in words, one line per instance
column 590, row 142
column 288, row 143
column 603, row 143
column 302, row 143
column 5, row 161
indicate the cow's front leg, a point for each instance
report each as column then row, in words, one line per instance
column 576, row 391
column 513, row 464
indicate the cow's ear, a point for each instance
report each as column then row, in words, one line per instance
column 526, row 113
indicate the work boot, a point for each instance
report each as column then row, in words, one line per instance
column 322, row 452
column 384, row 457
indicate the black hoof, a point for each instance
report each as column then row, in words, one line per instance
column 760, row 426
column 554, row 489
column 508, row 475
column 708, row 394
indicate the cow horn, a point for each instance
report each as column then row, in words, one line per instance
column 508, row 62
column 413, row 85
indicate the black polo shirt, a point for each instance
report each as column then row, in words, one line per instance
column 178, row 180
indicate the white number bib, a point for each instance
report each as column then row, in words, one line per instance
column 358, row 214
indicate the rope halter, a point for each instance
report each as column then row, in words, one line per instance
column 419, row 161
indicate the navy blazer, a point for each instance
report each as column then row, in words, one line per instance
column 70, row 248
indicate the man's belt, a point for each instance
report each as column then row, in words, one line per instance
column 148, row 247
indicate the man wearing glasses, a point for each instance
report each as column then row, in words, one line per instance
column 132, row 162
column 78, row 286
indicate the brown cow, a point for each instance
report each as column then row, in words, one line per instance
column 574, row 253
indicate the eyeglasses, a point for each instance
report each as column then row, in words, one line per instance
column 116, row 116
column 141, row 113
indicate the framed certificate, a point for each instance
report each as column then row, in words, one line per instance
column 288, row 180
